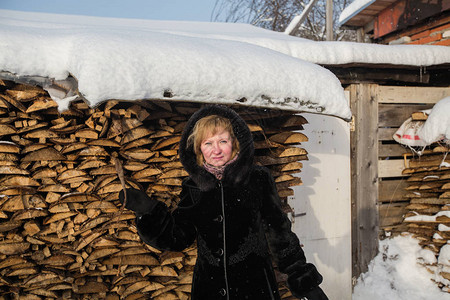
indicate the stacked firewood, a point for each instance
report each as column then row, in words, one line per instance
column 63, row 232
column 428, row 211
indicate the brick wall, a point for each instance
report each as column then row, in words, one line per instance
column 429, row 34
column 435, row 36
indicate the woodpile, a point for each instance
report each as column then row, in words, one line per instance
column 428, row 209
column 63, row 233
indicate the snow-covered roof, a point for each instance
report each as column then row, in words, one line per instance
column 353, row 9
column 196, row 61
column 138, row 59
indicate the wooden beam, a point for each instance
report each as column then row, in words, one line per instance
column 364, row 175
column 392, row 167
column 411, row 94
column 392, row 190
column 391, row 115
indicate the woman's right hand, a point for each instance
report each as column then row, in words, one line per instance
column 137, row 201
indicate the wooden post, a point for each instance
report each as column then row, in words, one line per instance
column 364, row 173
column 329, row 20
column 360, row 35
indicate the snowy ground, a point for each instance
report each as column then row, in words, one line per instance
column 394, row 274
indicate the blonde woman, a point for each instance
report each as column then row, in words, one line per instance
column 231, row 207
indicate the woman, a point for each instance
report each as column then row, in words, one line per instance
column 232, row 208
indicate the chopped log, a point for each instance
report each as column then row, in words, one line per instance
column 11, row 170
column 288, row 151
column 18, row 180
column 288, row 138
column 41, row 104
column 12, row 248
column 86, row 133
column 46, row 154
column 268, row 160
column 9, row 225
column 419, row 116
column 146, row 173
column 91, row 287
column 168, row 258
column 163, row 271
column 7, row 130
column 29, row 214
column 135, row 134
column 103, row 143
column 57, row 260
column 99, row 253
column 174, row 173
column 9, row 147
column 140, row 154
column 141, row 259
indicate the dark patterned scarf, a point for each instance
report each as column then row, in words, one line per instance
column 218, row 171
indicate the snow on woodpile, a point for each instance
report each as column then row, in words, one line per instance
column 428, row 185
column 437, row 126
column 137, row 59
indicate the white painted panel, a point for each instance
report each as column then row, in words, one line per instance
column 324, row 197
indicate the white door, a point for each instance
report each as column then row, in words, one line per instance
column 322, row 204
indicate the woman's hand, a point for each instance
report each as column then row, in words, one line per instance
column 137, row 201
column 315, row 294
column 303, row 281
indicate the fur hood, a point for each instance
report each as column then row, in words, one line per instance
column 235, row 173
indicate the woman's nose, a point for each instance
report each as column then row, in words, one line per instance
column 216, row 148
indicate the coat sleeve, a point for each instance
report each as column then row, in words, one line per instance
column 164, row 230
column 303, row 277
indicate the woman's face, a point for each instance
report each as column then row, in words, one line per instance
column 217, row 149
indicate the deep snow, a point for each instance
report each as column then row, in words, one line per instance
column 395, row 274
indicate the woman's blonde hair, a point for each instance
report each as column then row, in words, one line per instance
column 207, row 126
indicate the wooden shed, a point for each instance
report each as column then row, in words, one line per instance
column 382, row 97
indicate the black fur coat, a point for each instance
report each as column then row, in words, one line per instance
column 237, row 222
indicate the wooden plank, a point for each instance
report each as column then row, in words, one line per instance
column 389, row 150
column 391, row 167
column 392, row 190
column 411, row 94
column 386, row 133
column 392, row 213
column 393, row 115
column 364, row 181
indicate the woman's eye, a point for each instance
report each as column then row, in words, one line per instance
column 224, row 141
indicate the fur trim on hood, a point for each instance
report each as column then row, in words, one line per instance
column 237, row 172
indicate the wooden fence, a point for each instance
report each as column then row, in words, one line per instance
column 378, row 202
